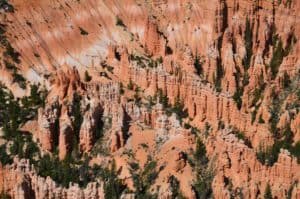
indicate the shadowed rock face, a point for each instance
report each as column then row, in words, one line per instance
column 137, row 82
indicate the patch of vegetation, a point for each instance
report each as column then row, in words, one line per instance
column 77, row 119
column 187, row 126
column 6, row 6
column 207, row 129
column 261, row 120
column 110, row 69
column 179, row 110
column 113, row 186
column 24, row 147
column 130, row 85
column 269, row 155
column 121, row 91
column 280, row 52
column 237, row 98
column 71, row 171
column 87, row 77
column 168, row 50
column 4, row 157
column 218, row 77
column 175, row 188
column 11, row 57
column 119, row 22
column 200, row 153
column 19, row 79
column 198, row 65
column 248, row 35
column 268, row 192
column 4, row 195
column 162, row 98
column 144, row 179
column 150, row 102
column 137, row 97
column 277, row 58
column 144, row 62
column 12, row 53
column 286, row 80
column 257, row 95
column 295, row 150
column 287, row 3
column 62, row 172
column 204, row 174
column 9, row 65
column 274, row 110
column 14, row 112
column 83, row 32
column 241, row 136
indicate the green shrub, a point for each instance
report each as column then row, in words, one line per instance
column 248, row 44
column 198, row 65
column 119, row 22
column 113, row 187
column 200, row 153
column 175, row 187
column 179, row 110
column 12, row 53
column 61, row 172
column 121, row 91
column 162, row 98
column 19, row 79
column 268, row 192
column 4, row 157
column 14, row 112
column 87, row 77
column 218, row 77
column 261, row 120
column 77, row 118
column 241, row 136
column 295, row 151
column 237, row 98
column 83, row 32
column 144, row 179
column 202, row 186
column 130, row 85
column 277, row 58
column 257, row 94
column 9, row 65
column 4, row 195
column 204, row 174
column 253, row 115
column 137, row 97
column 268, row 156
column 274, row 119
column 7, row 6
column 286, row 80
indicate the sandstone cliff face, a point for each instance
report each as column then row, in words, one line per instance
column 22, row 182
column 48, row 120
column 89, row 127
column 116, row 71
column 250, row 176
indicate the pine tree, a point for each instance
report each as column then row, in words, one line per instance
column 268, row 192
column 87, row 77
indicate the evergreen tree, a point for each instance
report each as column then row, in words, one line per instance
column 268, row 192
column 87, row 77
